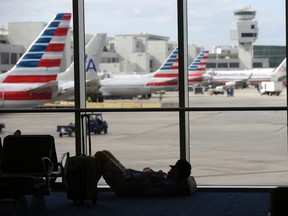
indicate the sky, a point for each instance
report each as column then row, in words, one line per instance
column 209, row 21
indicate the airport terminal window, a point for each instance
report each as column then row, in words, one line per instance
column 245, row 157
column 248, row 35
column 13, row 58
column 257, row 65
column 211, row 65
column 233, row 140
column 5, row 58
column 234, row 65
column 222, row 65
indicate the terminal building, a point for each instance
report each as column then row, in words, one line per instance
column 138, row 53
column 144, row 53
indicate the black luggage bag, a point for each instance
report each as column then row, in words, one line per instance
column 81, row 172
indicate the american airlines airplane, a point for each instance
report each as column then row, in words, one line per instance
column 93, row 51
column 165, row 78
column 37, row 79
column 32, row 80
column 253, row 77
column 133, row 85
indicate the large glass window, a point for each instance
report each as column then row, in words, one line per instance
column 235, row 139
column 234, row 147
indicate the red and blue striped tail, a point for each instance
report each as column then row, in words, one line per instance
column 199, row 64
column 42, row 60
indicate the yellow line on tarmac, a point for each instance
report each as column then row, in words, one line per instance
column 106, row 104
column 122, row 105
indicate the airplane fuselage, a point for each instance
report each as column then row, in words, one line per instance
column 19, row 95
column 258, row 75
column 133, row 86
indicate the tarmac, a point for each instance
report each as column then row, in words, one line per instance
column 226, row 147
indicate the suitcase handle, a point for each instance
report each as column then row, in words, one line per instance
column 87, row 126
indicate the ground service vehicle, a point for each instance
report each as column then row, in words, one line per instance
column 66, row 129
column 271, row 88
column 97, row 126
column 219, row 90
column 216, row 91
column 198, row 89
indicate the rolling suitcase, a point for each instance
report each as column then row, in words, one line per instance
column 81, row 172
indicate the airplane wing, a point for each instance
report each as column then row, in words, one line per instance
column 167, row 83
column 172, row 80
column 67, row 89
column 248, row 78
column 66, row 92
column 51, row 86
column 93, row 85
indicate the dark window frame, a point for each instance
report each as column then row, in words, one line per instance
column 78, row 111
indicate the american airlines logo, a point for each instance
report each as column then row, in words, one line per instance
column 283, row 68
column 90, row 65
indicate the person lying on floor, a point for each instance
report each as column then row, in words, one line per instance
column 124, row 181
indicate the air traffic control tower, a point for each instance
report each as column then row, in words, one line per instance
column 246, row 34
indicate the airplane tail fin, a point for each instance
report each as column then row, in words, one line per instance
column 279, row 74
column 93, row 55
column 93, row 50
column 169, row 68
column 41, row 62
column 198, row 67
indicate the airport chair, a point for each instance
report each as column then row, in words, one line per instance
column 59, row 166
column 26, row 167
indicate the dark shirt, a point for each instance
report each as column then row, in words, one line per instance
column 159, row 184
